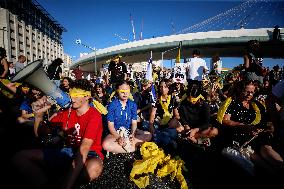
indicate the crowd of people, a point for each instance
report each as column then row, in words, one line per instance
column 239, row 114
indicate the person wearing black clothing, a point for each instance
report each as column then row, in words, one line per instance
column 3, row 64
column 54, row 71
column 118, row 70
column 253, row 62
column 195, row 115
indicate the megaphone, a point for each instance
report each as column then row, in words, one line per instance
column 35, row 75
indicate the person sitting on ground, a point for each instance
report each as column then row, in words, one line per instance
column 243, row 118
column 124, row 136
column 100, row 94
column 80, row 159
column 195, row 116
column 65, row 84
column 27, row 115
column 162, row 112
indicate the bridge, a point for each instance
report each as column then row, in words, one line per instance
column 226, row 42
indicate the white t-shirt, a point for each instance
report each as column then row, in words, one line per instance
column 195, row 68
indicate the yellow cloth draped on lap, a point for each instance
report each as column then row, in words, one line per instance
column 152, row 157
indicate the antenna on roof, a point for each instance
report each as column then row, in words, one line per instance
column 132, row 24
column 173, row 26
column 142, row 23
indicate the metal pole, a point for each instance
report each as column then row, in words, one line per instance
column 162, row 64
column 95, row 61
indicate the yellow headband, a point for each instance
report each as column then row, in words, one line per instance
column 192, row 99
column 123, row 91
column 74, row 92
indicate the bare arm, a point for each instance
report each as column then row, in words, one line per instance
column 176, row 114
column 112, row 129
column 228, row 122
column 78, row 163
column 133, row 127
column 26, row 115
column 152, row 118
column 246, row 61
column 5, row 64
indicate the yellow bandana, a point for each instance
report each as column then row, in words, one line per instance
column 193, row 100
column 123, row 91
column 167, row 115
column 74, row 92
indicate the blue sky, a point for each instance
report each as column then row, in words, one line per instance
column 96, row 22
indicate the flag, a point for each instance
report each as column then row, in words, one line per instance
column 149, row 77
column 153, row 95
column 149, row 73
column 178, row 55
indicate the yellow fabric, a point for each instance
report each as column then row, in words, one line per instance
column 155, row 77
column 135, row 89
column 257, row 114
column 74, row 92
column 167, row 115
column 100, row 107
column 192, row 99
column 152, row 156
column 173, row 167
column 178, row 56
column 223, row 108
column 123, row 91
column 183, row 97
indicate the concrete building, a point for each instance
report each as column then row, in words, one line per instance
column 27, row 29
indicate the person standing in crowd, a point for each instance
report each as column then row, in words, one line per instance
column 4, row 64
column 196, row 67
column 54, row 71
column 12, row 70
column 80, row 159
column 253, row 62
column 78, row 74
column 117, row 70
column 124, row 136
column 20, row 64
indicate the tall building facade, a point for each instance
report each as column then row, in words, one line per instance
column 27, row 29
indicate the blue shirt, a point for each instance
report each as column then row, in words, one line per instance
column 122, row 117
